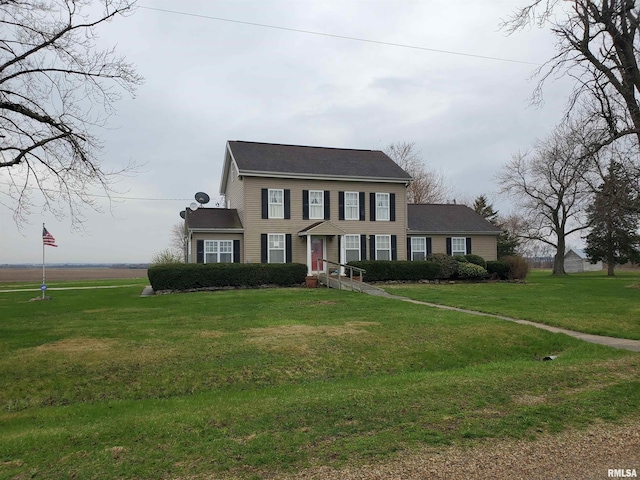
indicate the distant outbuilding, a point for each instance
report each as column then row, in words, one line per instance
column 575, row 261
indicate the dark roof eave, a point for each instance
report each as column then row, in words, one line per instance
column 316, row 176
column 454, row 232
column 215, row 230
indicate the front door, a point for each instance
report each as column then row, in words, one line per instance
column 317, row 253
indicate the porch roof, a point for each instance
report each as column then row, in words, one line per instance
column 323, row 227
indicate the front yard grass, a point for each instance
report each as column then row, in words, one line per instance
column 105, row 384
column 585, row 302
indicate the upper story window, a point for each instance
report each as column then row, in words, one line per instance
column 316, row 204
column 276, row 203
column 458, row 246
column 351, row 206
column 382, row 206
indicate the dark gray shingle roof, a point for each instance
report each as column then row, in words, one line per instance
column 301, row 160
column 213, row 218
column 449, row 218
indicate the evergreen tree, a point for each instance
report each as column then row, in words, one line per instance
column 614, row 221
column 508, row 242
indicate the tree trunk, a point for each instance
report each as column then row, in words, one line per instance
column 558, row 260
column 611, row 265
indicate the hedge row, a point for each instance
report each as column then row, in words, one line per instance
column 381, row 270
column 189, row 276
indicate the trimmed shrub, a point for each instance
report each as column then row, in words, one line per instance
column 518, row 267
column 192, row 276
column 476, row 259
column 448, row 264
column 471, row 270
column 461, row 259
column 498, row 269
column 382, row 270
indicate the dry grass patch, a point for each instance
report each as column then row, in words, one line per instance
column 349, row 328
column 77, row 345
column 211, row 334
column 529, row 400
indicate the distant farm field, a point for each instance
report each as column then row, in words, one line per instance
column 26, row 275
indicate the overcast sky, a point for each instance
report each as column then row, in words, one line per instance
column 209, row 81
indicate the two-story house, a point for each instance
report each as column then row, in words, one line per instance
column 289, row 203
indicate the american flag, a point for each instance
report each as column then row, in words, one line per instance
column 47, row 238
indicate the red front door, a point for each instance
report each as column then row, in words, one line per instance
column 317, row 253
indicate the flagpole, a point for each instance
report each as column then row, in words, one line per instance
column 43, row 264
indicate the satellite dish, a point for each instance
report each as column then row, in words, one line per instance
column 194, row 206
column 183, row 214
column 202, row 198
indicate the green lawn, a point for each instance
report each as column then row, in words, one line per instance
column 105, row 384
column 587, row 302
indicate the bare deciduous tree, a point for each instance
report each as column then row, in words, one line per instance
column 56, row 87
column 179, row 241
column 428, row 185
column 597, row 45
column 550, row 187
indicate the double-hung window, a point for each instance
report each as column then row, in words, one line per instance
column 218, row 251
column 383, row 247
column 382, row 206
column 276, row 248
column 351, row 206
column 458, row 246
column 276, row 203
column 418, row 248
column 316, row 204
column 351, row 248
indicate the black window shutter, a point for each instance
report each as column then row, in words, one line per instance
column 429, row 248
column 468, row 245
column 340, row 249
column 200, row 251
column 372, row 207
column 327, row 205
column 449, row 251
column 372, row 247
column 409, row 248
column 236, row 251
column 392, row 207
column 362, row 206
column 363, row 247
column 305, row 204
column 394, row 247
column 340, row 205
column 287, row 204
column 265, row 203
column 263, row 248
column 289, row 248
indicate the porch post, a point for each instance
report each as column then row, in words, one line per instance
column 308, row 254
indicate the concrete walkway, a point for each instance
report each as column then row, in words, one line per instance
column 622, row 343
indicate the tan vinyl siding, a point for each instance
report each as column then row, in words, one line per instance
column 254, row 225
column 214, row 236
column 235, row 193
column 484, row 245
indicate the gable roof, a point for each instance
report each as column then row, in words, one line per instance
column 578, row 251
column 297, row 161
column 213, row 219
column 447, row 218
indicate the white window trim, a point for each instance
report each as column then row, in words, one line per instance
column 357, row 214
column 352, row 249
column 217, row 253
column 319, row 216
column 281, row 205
column 415, row 250
column 284, row 247
column 459, row 252
column 387, row 208
column 380, row 249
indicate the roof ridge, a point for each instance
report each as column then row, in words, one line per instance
column 307, row 146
